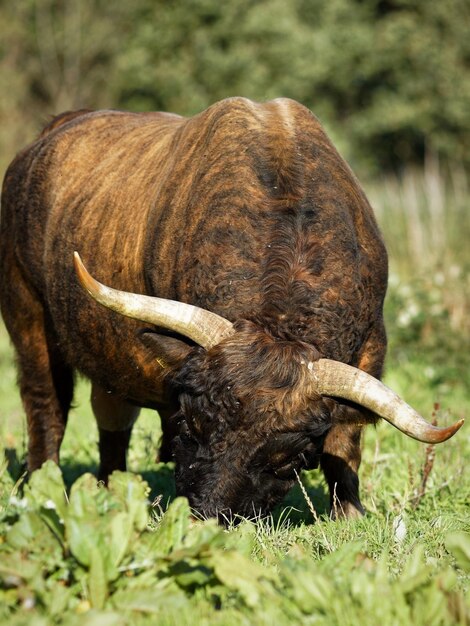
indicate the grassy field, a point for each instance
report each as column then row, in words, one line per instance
column 74, row 553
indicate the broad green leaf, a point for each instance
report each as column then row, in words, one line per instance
column 128, row 487
column 154, row 600
column 82, row 538
column 15, row 568
column 244, row 576
column 55, row 523
column 415, row 572
column 310, row 590
column 83, row 496
column 448, row 579
column 96, row 618
column 172, row 528
column 242, row 539
column 132, row 492
column 429, row 606
column 27, row 529
column 33, row 537
column 83, row 520
column 28, row 619
column 458, row 544
column 95, row 521
column 97, row 583
column 46, row 488
column 415, row 563
column 203, row 536
column 58, row 597
column 121, row 532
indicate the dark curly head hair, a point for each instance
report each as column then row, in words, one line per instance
column 249, row 421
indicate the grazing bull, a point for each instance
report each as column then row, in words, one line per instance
column 260, row 337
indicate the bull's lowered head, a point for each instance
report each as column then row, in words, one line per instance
column 250, row 419
column 254, row 409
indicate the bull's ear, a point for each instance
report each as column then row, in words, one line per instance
column 168, row 351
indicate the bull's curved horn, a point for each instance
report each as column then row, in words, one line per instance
column 204, row 327
column 336, row 379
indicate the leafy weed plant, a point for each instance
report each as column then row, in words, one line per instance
column 102, row 556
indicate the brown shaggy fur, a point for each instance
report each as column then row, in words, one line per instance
column 246, row 210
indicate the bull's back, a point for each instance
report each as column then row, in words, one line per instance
column 245, row 209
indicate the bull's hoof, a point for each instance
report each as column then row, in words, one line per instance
column 346, row 510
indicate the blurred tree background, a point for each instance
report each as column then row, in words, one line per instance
column 389, row 79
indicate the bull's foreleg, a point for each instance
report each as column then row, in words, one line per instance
column 170, row 428
column 340, row 462
column 342, row 448
column 115, row 418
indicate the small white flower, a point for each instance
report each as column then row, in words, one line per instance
column 28, row 604
column 403, row 319
column 429, row 372
column 21, row 504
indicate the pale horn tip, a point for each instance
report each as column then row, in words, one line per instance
column 83, row 276
column 442, row 434
column 78, row 263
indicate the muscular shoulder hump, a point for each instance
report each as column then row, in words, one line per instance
column 63, row 118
